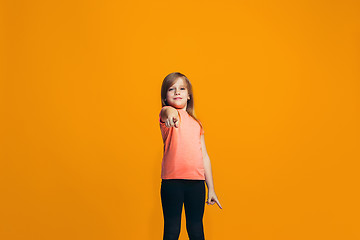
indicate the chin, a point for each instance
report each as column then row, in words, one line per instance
column 178, row 105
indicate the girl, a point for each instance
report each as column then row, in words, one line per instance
column 185, row 164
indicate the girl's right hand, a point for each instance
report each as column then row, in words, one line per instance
column 170, row 116
column 172, row 121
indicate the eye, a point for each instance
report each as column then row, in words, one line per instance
column 173, row 89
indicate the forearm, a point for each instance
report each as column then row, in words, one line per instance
column 208, row 174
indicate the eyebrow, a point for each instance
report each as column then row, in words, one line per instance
column 180, row 86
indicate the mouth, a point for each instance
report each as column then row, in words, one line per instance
column 177, row 98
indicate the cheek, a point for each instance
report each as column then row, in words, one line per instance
column 168, row 95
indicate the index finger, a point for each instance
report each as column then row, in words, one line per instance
column 218, row 203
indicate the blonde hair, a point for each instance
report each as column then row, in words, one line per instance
column 168, row 81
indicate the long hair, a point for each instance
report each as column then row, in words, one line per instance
column 168, row 81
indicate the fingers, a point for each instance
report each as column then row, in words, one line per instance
column 172, row 122
column 213, row 201
column 169, row 122
column 176, row 123
column 218, row 203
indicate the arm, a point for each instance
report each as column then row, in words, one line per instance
column 212, row 198
column 207, row 166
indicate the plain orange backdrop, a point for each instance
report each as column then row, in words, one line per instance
column 276, row 86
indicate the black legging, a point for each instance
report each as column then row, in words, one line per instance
column 175, row 193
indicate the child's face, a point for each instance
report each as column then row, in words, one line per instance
column 177, row 95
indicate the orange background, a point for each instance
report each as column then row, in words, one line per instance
column 276, row 86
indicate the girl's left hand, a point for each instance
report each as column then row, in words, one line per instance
column 213, row 199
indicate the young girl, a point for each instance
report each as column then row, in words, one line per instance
column 185, row 164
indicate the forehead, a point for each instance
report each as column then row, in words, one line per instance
column 179, row 82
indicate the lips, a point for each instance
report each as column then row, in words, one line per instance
column 177, row 98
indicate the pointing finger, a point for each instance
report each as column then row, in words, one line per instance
column 218, row 203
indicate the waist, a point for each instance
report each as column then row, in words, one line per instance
column 182, row 180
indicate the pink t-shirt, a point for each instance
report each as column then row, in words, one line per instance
column 182, row 158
